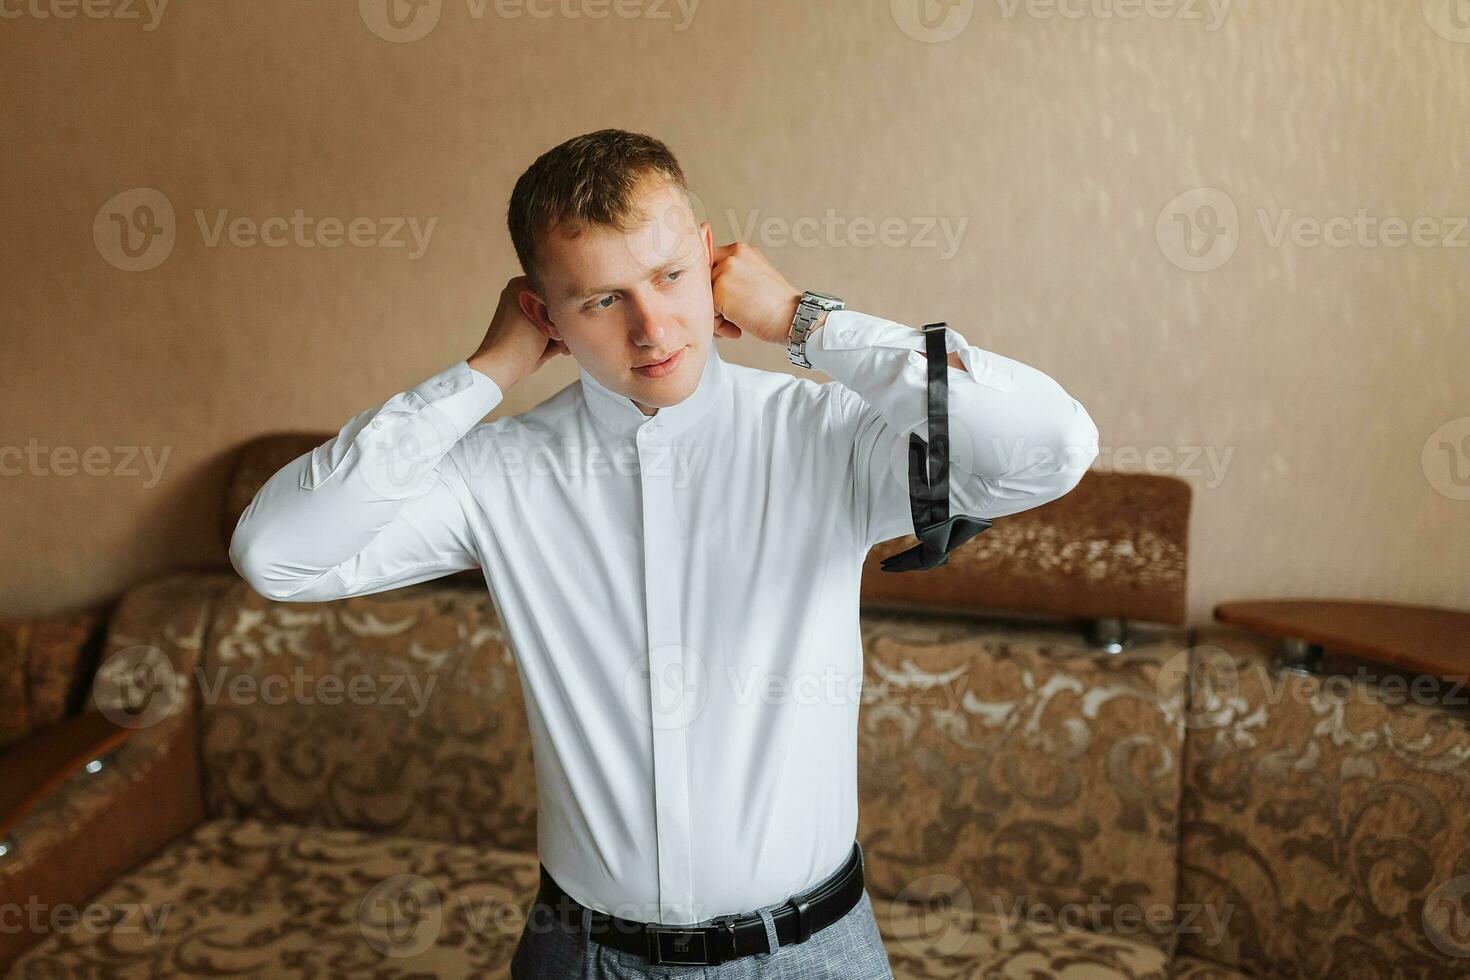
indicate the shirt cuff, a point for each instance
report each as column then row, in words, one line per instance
column 462, row 394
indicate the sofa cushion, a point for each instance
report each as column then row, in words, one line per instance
column 1195, row 968
column 1007, row 761
column 245, row 897
column 1332, row 823
column 400, row 712
column 248, row 898
column 958, row 943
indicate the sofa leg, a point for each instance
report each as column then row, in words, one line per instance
column 1108, row 633
column 1297, row 656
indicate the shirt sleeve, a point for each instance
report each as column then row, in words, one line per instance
column 1017, row 439
column 370, row 509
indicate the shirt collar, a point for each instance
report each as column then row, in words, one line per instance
column 619, row 414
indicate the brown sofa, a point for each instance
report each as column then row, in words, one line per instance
column 1056, row 779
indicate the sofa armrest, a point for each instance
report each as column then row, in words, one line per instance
column 46, row 663
column 95, row 826
column 38, row 766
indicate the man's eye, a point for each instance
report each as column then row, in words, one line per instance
column 676, row 272
column 598, row 305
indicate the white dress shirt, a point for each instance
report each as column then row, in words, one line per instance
column 680, row 591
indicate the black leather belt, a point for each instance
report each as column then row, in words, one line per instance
column 734, row 936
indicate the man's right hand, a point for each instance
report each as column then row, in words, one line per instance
column 514, row 348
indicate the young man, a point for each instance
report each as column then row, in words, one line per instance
column 674, row 545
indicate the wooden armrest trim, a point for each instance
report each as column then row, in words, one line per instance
column 39, row 765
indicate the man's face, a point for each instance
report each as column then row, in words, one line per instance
column 621, row 301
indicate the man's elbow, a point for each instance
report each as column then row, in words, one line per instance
column 1059, row 459
column 249, row 561
column 1078, row 447
column 1075, row 449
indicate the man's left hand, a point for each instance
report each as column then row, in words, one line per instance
column 750, row 295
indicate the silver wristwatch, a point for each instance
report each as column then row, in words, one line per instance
column 811, row 306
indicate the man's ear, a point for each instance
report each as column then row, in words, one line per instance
column 538, row 313
column 709, row 243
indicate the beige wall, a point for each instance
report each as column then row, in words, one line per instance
column 1298, row 387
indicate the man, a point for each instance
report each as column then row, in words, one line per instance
column 674, row 545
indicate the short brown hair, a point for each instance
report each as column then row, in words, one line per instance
column 588, row 180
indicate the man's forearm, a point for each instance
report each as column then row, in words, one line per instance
column 497, row 369
column 954, row 356
column 323, row 510
column 1016, row 435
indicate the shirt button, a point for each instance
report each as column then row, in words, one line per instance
column 377, row 423
column 445, row 383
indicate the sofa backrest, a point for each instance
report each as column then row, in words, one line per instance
column 45, row 669
column 1008, row 771
column 1116, row 546
column 400, row 712
column 1326, row 819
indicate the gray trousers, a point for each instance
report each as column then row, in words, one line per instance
column 848, row 949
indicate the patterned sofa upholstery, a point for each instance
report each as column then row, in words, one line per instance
column 346, row 788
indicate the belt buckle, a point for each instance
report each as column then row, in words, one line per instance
column 686, row 946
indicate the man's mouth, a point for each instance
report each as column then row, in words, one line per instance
column 660, row 368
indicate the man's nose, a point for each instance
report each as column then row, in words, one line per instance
column 653, row 322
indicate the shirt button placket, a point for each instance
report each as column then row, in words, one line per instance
column 666, row 671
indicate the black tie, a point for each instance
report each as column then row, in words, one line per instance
column 938, row 533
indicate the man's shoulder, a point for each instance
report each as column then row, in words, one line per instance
column 760, row 381
column 781, row 389
column 537, row 421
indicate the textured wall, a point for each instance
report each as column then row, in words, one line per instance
column 1031, row 170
